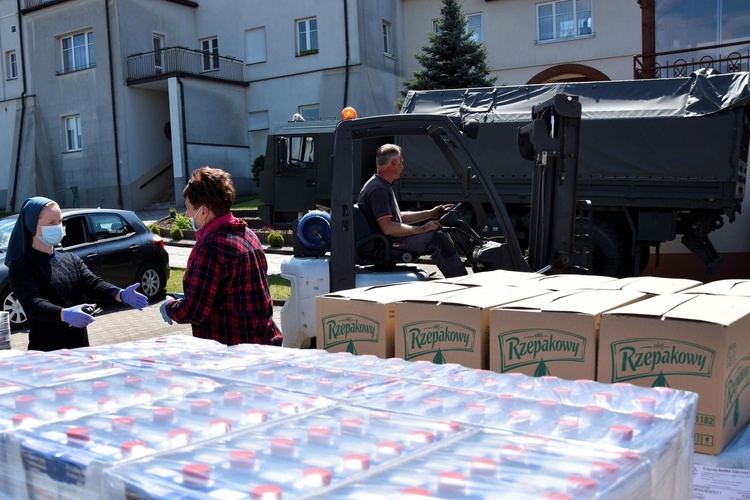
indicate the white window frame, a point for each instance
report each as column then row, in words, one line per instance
column 72, row 133
column 255, row 45
column 159, row 41
column 257, row 120
column 210, row 49
column 307, row 35
column 309, row 111
column 387, row 38
column 12, row 64
column 579, row 16
column 478, row 37
column 79, row 54
column 478, row 34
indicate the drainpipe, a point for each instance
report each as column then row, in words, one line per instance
column 17, row 167
column 114, row 109
column 184, row 130
column 346, row 64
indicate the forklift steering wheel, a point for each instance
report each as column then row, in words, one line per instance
column 448, row 213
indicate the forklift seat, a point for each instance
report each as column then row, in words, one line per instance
column 372, row 246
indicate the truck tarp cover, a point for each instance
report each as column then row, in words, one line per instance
column 680, row 128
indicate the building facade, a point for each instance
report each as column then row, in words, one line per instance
column 114, row 102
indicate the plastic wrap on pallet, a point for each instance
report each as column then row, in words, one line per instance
column 305, row 378
column 41, row 369
column 314, row 452
column 486, row 464
column 394, row 367
column 67, row 459
column 160, row 353
column 34, row 407
column 398, row 416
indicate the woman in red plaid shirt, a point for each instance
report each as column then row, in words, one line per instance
column 225, row 283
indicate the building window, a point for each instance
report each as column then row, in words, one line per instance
column 12, row 65
column 307, row 36
column 564, row 19
column 159, row 45
column 310, row 112
column 257, row 120
column 72, row 126
column 255, row 45
column 210, row 48
column 78, row 52
column 473, row 27
column 387, row 43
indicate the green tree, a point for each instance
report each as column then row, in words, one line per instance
column 257, row 168
column 452, row 59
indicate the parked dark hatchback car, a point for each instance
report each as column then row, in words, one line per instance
column 115, row 244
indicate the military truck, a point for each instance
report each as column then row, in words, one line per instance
column 658, row 159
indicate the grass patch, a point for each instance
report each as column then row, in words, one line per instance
column 248, row 203
column 280, row 287
column 174, row 283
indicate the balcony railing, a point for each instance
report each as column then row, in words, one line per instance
column 722, row 58
column 30, row 4
column 171, row 61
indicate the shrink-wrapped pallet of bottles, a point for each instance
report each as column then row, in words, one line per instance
column 192, row 419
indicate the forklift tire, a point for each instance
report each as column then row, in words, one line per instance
column 609, row 258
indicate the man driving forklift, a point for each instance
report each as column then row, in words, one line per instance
column 378, row 202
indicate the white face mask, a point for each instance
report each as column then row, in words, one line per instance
column 51, row 235
column 192, row 220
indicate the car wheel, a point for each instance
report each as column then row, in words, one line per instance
column 12, row 306
column 152, row 281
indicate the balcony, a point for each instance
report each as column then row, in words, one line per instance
column 723, row 58
column 31, row 5
column 181, row 61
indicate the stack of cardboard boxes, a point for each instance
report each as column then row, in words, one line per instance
column 644, row 331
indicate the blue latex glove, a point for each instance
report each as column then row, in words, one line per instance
column 177, row 295
column 134, row 299
column 163, row 311
column 75, row 316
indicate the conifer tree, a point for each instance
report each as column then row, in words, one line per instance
column 452, row 59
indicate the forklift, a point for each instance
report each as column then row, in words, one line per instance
column 338, row 250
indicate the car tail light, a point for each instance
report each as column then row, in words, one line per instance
column 158, row 241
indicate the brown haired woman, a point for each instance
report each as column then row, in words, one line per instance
column 225, row 283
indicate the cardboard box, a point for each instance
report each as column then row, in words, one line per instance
column 496, row 278
column 692, row 342
column 552, row 334
column 451, row 328
column 736, row 287
column 652, row 285
column 360, row 320
column 572, row 281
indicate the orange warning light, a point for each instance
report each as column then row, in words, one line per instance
column 348, row 113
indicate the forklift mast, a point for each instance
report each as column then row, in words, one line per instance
column 561, row 227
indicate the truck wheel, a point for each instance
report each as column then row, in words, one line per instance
column 608, row 257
